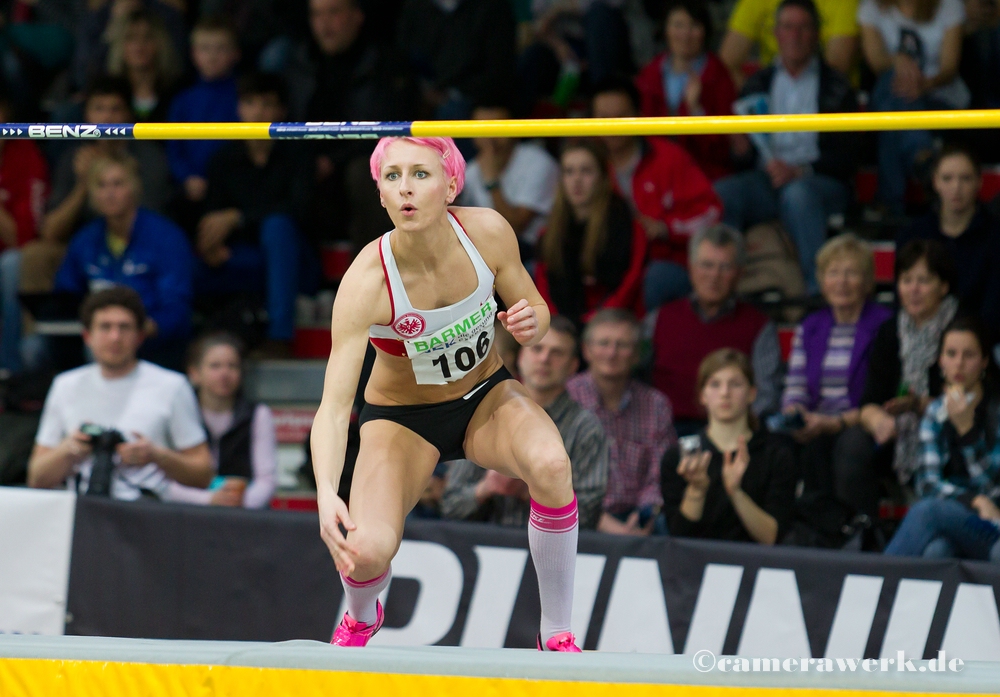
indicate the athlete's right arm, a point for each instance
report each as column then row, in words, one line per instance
column 358, row 305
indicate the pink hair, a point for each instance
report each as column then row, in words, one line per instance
column 451, row 159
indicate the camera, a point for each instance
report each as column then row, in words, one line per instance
column 104, row 441
column 690, row 445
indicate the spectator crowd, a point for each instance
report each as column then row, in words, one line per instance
column 663, row 370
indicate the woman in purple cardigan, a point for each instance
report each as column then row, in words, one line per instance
column 827, row 372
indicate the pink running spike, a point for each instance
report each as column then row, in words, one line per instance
column 350, row 632
column 564, row 642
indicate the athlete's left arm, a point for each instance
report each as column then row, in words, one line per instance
column 527, row 315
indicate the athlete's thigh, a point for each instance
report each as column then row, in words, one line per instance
column 507, row 429
column 393, row 467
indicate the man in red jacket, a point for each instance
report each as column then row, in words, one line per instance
column 671, row 197
column 24, row 186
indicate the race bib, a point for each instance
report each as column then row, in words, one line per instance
column 450, row 353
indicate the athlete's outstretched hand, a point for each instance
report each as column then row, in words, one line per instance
column 332, row 514
column 520, row 320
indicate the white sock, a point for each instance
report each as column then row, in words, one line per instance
column 361, row 596
column 552, row 537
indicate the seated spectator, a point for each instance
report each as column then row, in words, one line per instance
column 573, row 42
column 739, row 483
column 472, row 493
column 264, row 26
column 591, row 255
column 959, row 472
column 24, row 186
column 250, row 240
column 689, row 80
column 636, row 419
column 463, row 52
column 35, row 50
column 518, row 179
column 799, row 178
column 152, row 408
column 96, row 19
column 141, row 52
column 690, row 329
column 752, row 25
column 670, row 197
column 135, row 247
column 968, row 231
column 342, row 73
column 108, row 101
column 905, row 351
column 215, row 52
column 240, row 434
column 827, row 372
column 914, row 48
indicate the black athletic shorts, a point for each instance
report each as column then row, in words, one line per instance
column 444, row 424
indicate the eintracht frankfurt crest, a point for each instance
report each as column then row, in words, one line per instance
column 409, row 325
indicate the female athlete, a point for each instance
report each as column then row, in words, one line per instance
column 423, row 295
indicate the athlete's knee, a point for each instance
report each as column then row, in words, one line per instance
column 550, row 468
column 375, row 550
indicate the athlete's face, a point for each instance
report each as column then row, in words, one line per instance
column 413, row 187
column 549, row 363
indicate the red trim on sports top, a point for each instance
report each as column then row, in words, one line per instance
column 463, row 227
column 394, row 347
column 388, row 286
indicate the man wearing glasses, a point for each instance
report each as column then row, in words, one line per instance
column 712, row 318
column 637, row 421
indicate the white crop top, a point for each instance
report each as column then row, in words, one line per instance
column 443, row 344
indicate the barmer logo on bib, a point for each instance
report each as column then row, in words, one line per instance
column 456, row 331
column 409, row 325
column 450, row 353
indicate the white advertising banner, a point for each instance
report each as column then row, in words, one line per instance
column 36, row 534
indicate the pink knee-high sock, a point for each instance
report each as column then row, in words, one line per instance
column 361, row 596
column 552, row 537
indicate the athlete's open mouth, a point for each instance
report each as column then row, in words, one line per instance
column 408, row 208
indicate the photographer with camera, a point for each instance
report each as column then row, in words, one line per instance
column 733, row 480
column 133, row 425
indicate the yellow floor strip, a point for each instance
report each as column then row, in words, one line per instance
column 35, row 677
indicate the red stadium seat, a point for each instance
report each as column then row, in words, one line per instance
column 866, row 187
column 311, row 342
column 885, row 261
column 991, row 183
column 335, row 258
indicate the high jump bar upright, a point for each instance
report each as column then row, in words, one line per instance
column 519, row 128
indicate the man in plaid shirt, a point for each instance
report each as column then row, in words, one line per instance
column 637, row 420
column 472, row 493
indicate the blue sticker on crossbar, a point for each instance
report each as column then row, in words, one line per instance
column 334, row 130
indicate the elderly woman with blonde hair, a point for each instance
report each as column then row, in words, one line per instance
column 827, row 372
